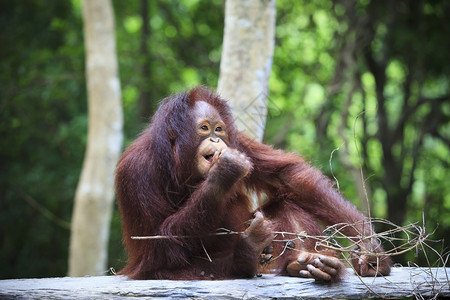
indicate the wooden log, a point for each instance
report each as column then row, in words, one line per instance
column 403, row 282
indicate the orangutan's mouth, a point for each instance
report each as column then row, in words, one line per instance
column 208, row 157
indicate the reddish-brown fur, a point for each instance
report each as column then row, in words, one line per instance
column 159, row 194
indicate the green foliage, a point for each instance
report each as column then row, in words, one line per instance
column 43, row 128
column 184, row 46
column 323, row 96
column 400, row 136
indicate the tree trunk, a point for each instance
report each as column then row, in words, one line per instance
column 95, row 192
column 247, row 62
column 145, row 108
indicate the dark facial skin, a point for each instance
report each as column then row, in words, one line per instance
column 213, row 135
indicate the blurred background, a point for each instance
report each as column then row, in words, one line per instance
column 368, row 77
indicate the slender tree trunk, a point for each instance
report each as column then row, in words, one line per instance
column 95, row 192
column 247, row 61
column 145, row 108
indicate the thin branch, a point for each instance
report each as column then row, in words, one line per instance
column 416, row 235
column 45, row 212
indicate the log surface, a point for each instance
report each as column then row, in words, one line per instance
column 403, row 282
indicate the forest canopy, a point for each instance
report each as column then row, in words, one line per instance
column 369, row 78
